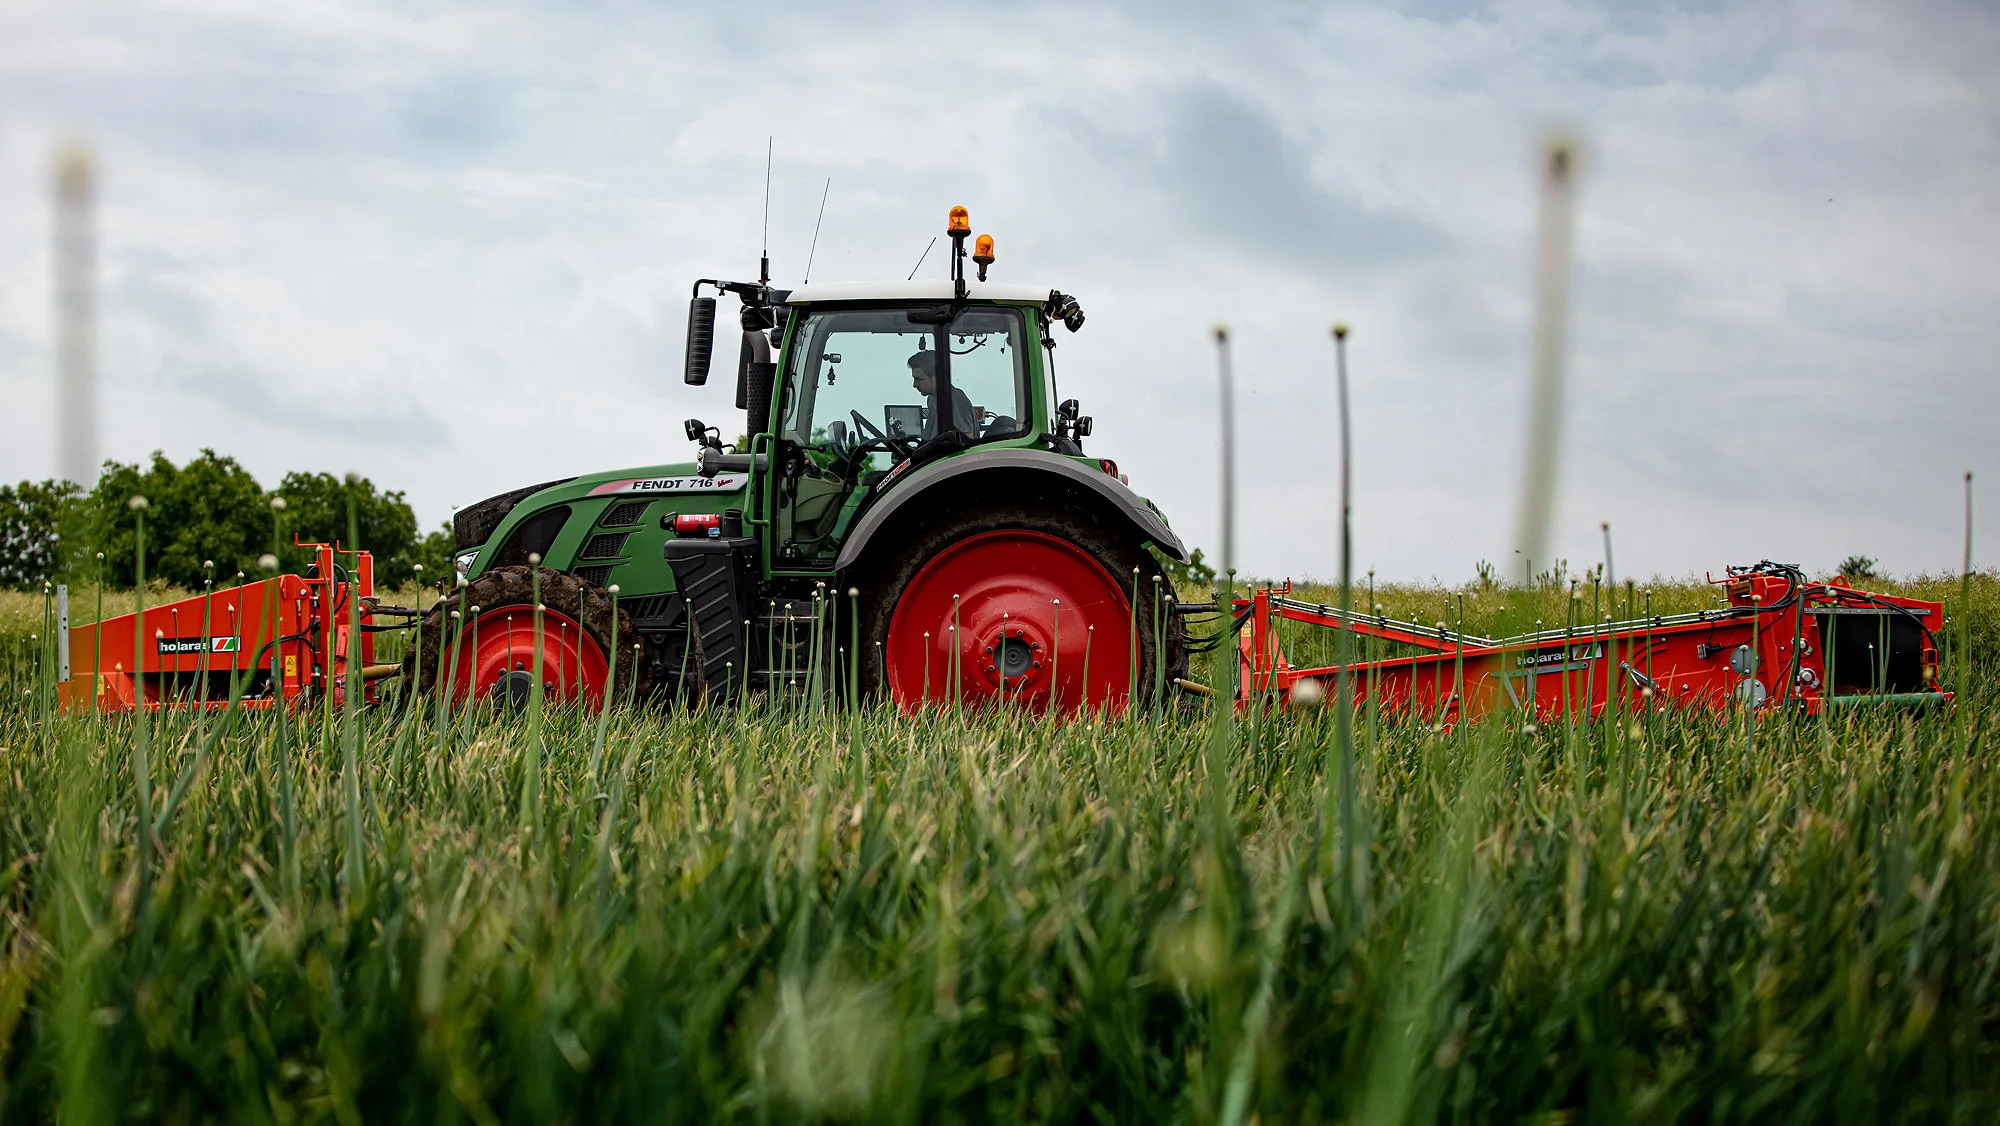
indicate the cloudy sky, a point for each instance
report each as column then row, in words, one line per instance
column 449, row 245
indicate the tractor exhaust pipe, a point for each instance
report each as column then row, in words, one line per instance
column 758, row 373
column 701, row 339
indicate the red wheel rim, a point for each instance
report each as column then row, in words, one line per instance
column 502, row 642
column 1032, row 614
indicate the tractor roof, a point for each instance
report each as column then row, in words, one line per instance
column 926, row 289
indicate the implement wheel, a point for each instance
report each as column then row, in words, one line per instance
column 495, row 652
column 1017, row 607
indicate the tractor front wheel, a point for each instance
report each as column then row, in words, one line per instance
column 1019, row 607
column 490, row 649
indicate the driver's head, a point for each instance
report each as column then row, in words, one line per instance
column 923, row 372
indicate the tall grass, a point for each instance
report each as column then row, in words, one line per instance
column 756, row 913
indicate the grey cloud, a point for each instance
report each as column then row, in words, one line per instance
column 1230, row 168
column 1268, row 165
column 22, row 358
column 1618, row 71
column 1462, row 318
column 198, row 359
column 1445, row 11
column 142, row 280
column 458, row 113
column 257, row 396
column 1646, row 17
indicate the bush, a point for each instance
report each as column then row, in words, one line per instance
column 1859, row 568
column 1195, row 574
column 31, row 543
column 316, row 512
column 208, row 510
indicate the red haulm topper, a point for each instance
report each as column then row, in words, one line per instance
column 275, row 637
column 1780, row 642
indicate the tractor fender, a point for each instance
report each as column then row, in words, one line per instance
column 964, row 469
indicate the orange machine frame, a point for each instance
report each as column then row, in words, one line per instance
column 190, row 653
column 1768, row 645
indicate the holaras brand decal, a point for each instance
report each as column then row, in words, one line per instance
column 1559, row 656
column 720, row 483
column 172, row 645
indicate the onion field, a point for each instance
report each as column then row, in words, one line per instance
column 786, row 913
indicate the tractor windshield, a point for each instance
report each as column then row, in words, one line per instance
column 871, row 377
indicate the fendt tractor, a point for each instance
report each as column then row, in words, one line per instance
column 912, row 511
column 911, row 514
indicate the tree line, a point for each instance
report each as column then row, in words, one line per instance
column 209, row 510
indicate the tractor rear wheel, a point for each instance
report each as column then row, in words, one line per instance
column 1019, row 606
column 494, row 654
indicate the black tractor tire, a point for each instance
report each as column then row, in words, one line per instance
column 502, row 587
column 1114, row 547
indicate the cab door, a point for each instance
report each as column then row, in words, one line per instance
column 854, row 408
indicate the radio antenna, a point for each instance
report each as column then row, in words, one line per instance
column 764, row 262
column 816, row 222
column 921, row 257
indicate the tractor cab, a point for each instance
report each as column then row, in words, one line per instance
column 878, row 381
column 852, row 387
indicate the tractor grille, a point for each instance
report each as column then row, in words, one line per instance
column 593, row 576
column 624, row 514
column 604, row 545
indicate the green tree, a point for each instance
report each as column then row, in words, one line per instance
column 35, row 519
column 1196, row 572
column 1859, row 567
column 316, row 512
column 434, row 552
column 209, row 509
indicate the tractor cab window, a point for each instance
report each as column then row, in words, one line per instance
column 864, row 383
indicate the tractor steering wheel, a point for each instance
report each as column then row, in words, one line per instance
column 901, row 445
column 862, row 424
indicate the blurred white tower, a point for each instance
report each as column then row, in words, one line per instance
column 76, row 314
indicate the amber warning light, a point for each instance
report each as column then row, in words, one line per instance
column 961, row 222
column 982, row 253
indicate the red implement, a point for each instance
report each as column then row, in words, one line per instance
column 189, row 654
column 1781, row 641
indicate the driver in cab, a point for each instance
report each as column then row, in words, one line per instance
column 923, row 376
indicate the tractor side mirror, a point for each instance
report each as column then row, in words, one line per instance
column 836, row 433
column 700, row 340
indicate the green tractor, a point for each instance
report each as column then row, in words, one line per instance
column 912, row 513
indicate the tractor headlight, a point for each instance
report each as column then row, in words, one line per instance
column 462, row 562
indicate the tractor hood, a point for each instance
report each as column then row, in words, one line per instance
column 475, row 524
column 678, row 479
